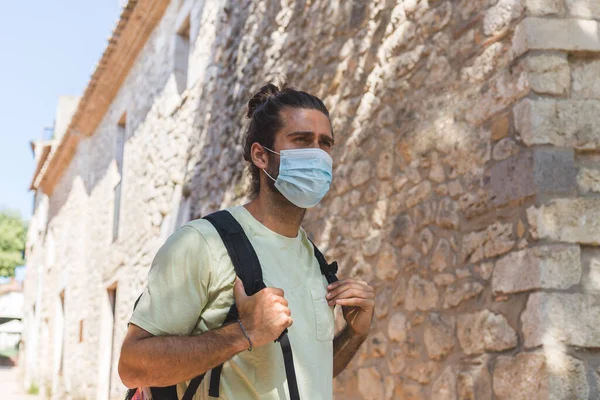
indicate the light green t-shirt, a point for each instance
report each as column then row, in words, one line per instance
column 190, row 290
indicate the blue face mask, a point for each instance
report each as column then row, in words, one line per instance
column 304, row 175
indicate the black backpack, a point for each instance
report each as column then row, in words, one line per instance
column 247, row 268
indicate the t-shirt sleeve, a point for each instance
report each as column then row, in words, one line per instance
column 177, row 289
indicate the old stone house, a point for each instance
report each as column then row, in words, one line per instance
column 465, row 190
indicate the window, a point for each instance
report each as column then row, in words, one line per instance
column 60, row 333
column 50, row 249
column 117, row 211
column 119, row 153
column 112, row 296
column 106, row 334
column 179, row 214
column 183, row 214
column 41, row 210
column 35, row 201
column 182, row 55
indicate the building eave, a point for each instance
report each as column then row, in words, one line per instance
column 137, row 21
column 43, row 157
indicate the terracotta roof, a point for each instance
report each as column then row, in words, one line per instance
column 137, row 21
column 47, row 146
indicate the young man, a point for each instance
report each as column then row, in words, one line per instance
column 175, row 332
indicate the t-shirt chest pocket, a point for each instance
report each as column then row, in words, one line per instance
column 323, row 314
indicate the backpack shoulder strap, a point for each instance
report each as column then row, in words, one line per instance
column 329, row 270
column 240, row 250
column 247, row 267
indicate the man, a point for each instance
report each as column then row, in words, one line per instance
column 175, row 332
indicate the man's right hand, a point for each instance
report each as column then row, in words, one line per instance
column 264, row 315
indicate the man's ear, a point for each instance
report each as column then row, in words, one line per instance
column 259, row 156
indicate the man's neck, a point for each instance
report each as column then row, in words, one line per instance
column 278, row 215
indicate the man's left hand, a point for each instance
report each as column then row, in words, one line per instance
column 357, row 299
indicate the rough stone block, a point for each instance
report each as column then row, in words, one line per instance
column 548, row 73
column 360, row 173
column 421, row 295
column 585, row 74
column 543, row 267
column 501, row 91
column 378, row 345
column 370, row 383
column 537, row 376
column 447, row 214
column 439, row 336
column 562, row 318
column 561, row 123
column 442, row 255
column 588, row 180
column 395, row 361
column 499, row 17
column 545, row 7
column 590, row 260
column 556, row 34
column 406, row 390
column 495, row 240
column 567, row 220
column 397, row 327
column 504, row 148
column 444, row 387
column 474, row 380
column 387, row 264
column 499, row 129
column 418, row 193
column 422, row 372
column 485, row 331
column 459, row 292
column 484, row 64
column 584, row 8
column 537, row 171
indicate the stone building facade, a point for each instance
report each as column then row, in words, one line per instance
column 466, row 184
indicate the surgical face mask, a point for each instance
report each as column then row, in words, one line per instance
column 304, row 175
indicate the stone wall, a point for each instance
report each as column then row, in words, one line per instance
column 465, row 185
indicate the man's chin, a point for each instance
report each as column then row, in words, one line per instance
column 281, row 200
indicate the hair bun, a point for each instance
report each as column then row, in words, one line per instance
column 261, row 97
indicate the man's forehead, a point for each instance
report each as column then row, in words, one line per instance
column 306, row 120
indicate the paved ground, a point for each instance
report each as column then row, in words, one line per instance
column 10, row 385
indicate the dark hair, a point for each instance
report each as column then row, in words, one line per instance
column 264, row 110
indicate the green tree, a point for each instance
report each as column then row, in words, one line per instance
column 13, row 232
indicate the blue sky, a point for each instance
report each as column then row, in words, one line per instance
column 48, row 49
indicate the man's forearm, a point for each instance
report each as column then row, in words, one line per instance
column 168, row 360
column 345, row 345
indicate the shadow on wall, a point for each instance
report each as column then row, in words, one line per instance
column 256, row 47
column 130, row 117
column 215, row 156
column 394, row 94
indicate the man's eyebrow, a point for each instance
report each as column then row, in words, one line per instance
column 328, row 137
column 300, row 133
